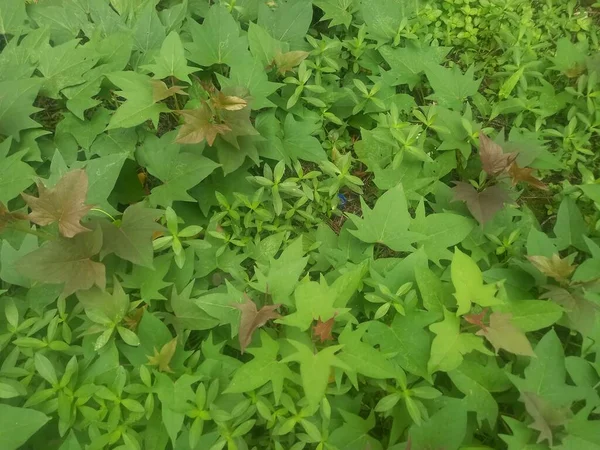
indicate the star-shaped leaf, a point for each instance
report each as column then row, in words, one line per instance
column 252, row 319
column 171, row 60
column 288, row 60
column 408, row 63
column 449, row 345
column 67, row 261
column 7, row 217
column 160, row 90
column 338, row 11
column 161, row 359
column 503, row 334
column 131, row 237
column 150, row 281
column 493, row 160
column 387, row 223
column 15, row 174
column 482, row 205
column 199, row 125
column 140, row 105
column 322, row 330
column 451, row 88
column 545, row 416
column 313, row 301
column 523, row 175
column 16, row 99
column 64, row 203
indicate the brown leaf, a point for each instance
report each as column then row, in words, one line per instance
column 160, row 91
column 199, row 126
column 229, row 102
column 133, row 319
column 482, row 205
column 580, row 312
column 288, row 60
column 163, row 358
column 493, row 160
column 503, row 334
column 556, row 267
column 253, row 319
column 523, row 175
column 64, row 203
column 7, row 217
column 322, row 330
column 545, row 416
column 477, row 319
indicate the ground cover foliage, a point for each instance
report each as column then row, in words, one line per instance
column 334, row 224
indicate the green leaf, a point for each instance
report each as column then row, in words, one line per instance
column 468, row 284
column 68, row 262
column 12, row 17
column 221, row 305
column 16, row 98
column 387, row 223
column 449, row 345
column 532, row 315
column 264, row 47
column 64, row 65
column 313, row 301
column 188, row 312
column 338, row 11
column 405, row 339
column 44, row 368
column 139, row 105
column 315, row 369
column 570, row 228
column 450, row 87
column 288, row 22
column 384, row 17
column 112, row 306
column 15, row 175
column 17, row 425
column 131, row 237
column 171, row 60
column 410, row 62
column 217, row 40
column 570, row 58
column 178, row 170
column 445, row 429
column 150, row 281
column 263, row 368
column 148, row 32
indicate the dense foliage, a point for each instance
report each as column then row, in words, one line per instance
column 326, row 224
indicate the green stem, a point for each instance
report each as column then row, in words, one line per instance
column 105, row 213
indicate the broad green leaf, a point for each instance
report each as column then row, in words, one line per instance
column 139, row 105
column 313, row 301
column 445, row 429
column 432, row 290
column 263, row 368
column 171, row 60
column 64, row 66
column 409, row 63
column 178, row 170
column 468, row 284
column 288, row 22
column 68, row 262
column 131, row 237
column 263, row 46
column 16, row 98
column 217, row 40
column 581, row 434
column 315, row 369
column 188, row 312
column 150, row 281
column 570, row 228
column 17, row 425
column 354, row 433
column 387, row 223
column 221, row 304
column 503, row 334
column 570, row 58
column 450, row 345
column 532, row 315
column 12, row 17
column 451, row 88
column 148, row 32
column 384, row 17
column 15, row 175
column 338, row 11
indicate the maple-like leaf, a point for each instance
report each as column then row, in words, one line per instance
column 556, row 267
column 477, row 319
column 322, row 330
column 503, row 334
column 545, row 416
column 67, row 261
column 523, row 175
column 229, row 102
column 482, row 205
column 64, row 203
column 160, row 90
column 163, row 358
column 131, row 237
column 252, row 319
column 288, row 60
column 493, row 160
column 7, row 217
column 199, row 126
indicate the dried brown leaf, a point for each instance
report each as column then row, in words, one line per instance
column 253, row 319
column 199, row 126
column 503, row 334
column 64, row 203
column 163, row 358
column 545, row 416
column 322, row 330
column 160, row 90
column 477, row 319
column 523, row 175
column 288, row 60
column 482, row 205
column 556, row 267
column 493, row 160
column 7, row 217
column 229, row 102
